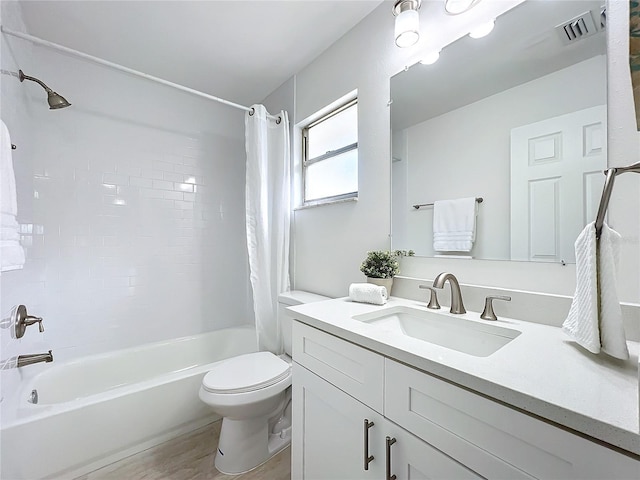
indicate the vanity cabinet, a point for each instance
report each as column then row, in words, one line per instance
column 435, row 429
column 335, row 435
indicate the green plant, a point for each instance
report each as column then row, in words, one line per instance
column 382, row 263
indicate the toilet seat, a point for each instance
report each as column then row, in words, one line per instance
column 246, row 373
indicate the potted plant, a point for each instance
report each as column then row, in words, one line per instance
column 380, row 266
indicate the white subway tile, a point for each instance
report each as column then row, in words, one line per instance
column 173, row 177
column 115, row 179
column 162, row 185
column 184, row 187
column 112, row 217
column 173, row 195
column 152, row 174
column 164, row 166
column 150, row 193
column 140, row 182
column 183, row 205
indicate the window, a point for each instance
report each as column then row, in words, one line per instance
column 330, row 156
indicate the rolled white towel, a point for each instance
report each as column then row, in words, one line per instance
column 368, row 293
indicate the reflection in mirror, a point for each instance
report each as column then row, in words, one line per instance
column 517, row 118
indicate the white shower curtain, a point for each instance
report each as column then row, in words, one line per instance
column 267, row 219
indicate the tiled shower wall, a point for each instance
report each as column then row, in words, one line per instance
column 131, row 206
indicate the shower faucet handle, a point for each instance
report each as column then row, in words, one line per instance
column 21, row 319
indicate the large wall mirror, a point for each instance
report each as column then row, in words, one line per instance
column 517, row 118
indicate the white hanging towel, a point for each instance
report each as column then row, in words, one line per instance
column 11, row 252
column 454, row 225
column 595, row 316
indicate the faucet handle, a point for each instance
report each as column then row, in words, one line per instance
column 433, row 300
column 21, row 320
column 488, row 313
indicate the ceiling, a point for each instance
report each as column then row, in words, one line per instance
column 523, row 46
column 238, row 50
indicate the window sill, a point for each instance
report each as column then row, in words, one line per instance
column 322, row 204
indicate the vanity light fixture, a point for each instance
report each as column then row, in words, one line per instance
column 456, row 7
column 407, row 26
column 430, row 58
column 483, row 29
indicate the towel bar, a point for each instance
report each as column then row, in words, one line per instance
column 478, row 199
column 611, row 174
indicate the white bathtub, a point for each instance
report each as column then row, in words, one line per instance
column 98, row 409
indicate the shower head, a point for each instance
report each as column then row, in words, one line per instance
column 55, row 100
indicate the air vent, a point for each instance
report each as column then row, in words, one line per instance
column 576, row 29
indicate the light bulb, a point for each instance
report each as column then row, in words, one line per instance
column 407, row 28
column 482, row 30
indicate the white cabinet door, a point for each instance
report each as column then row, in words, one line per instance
column 413, row 459
column 556, row 181
column 328, row 441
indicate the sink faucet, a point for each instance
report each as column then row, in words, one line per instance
column 24, row 360
column 456, row 295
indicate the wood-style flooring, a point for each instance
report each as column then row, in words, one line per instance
column 188, row 457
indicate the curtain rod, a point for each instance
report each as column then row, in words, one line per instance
column 131, row 71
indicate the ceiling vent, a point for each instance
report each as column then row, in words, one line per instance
column 576, row 29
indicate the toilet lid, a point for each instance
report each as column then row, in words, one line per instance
column 246, row 373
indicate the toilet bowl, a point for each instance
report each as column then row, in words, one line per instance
column 248, row 391
column 251, row 392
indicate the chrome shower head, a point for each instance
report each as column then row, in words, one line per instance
column 55, row 100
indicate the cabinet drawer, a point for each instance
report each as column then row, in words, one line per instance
column 492, row 439
column 353, row 369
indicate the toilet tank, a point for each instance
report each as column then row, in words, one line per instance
column 287, row 299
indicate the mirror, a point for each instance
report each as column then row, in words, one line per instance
column 517, row 118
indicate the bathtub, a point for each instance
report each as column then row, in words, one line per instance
column 98, row 409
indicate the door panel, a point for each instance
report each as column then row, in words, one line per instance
column 556, row 181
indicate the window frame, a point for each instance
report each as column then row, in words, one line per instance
column 325, row 156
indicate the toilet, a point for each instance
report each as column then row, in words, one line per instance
column 252, row 394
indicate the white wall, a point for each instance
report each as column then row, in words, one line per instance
column 131, row 203
column 331, row 241
column 466, row 153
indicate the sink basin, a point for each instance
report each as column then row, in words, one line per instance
column 450, row 331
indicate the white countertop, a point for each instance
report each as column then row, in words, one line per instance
column 542, row 371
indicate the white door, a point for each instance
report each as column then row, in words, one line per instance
column 556, row 183
column 328, row 439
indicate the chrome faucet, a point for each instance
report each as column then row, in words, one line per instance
column 24, row 360
column 456, row 295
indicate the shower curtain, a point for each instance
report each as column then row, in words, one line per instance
column 267, row 219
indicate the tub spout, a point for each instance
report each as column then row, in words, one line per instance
column 24, row 360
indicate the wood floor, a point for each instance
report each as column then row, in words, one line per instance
column 188, row 457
